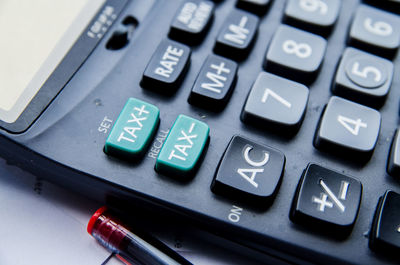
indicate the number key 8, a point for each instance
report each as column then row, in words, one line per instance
column 295, row 53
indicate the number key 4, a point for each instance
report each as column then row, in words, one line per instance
column 348, row 128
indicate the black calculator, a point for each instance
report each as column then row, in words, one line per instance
column 270, row 123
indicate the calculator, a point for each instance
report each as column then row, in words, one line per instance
column 270, row 123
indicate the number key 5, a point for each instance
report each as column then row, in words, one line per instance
column 363, row 77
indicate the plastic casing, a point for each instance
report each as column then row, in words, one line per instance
column 65, row 143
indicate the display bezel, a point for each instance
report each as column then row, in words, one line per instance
column 61, row 75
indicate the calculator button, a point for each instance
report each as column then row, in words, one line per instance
column 249, row 171
column 393, row 165
column 133, row 129
column 317, row 16
column 295, row 53
column 167, row 67
column 275, row 101
column 385, row 231
column 183, row 147
column 376, row 31
column 214, row 84
column 363, row 77
column 192, row 21
column 390, row 5
column 348, row 127
column 326, row 200
column 254, row 6
column 237, row 35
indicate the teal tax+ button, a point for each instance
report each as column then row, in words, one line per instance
column 133, row 130
column 183, row 148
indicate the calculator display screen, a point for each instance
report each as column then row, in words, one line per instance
column 36, row 35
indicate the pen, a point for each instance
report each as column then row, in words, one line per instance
column 128, row 246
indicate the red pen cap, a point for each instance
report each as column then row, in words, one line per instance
column 107, row 230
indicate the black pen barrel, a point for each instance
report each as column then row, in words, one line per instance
column 140, row 249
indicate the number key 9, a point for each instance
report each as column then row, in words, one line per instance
column 317, row 16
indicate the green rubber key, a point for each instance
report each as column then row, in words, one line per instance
column 183, row 147
column 133, row 130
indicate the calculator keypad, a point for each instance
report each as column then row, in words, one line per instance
column 167, row 67
column 237, row 35
column 275, row 101
column 376, row 31
column 133, row 130
column 316, row 16
column 295, row 53
column 214, row 84
column 327, row 201
column 363, row 77
column 192, row 21
column 390, row 5
column 254, row 6
column 348, row 127
column 385, row 232
column 249, row 171
column 276, row 79
column 182, row 150
column 393, row 165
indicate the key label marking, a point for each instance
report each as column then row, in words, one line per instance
column 348, row 123
column 268, row 92
column 238, row 32
column 323, row 200
column 218, row 80
column 242, row 171
column 194, row 16
column 132, row 130
column 343, row 190
column 235, row 213
column 169, row 60
column 182, row 147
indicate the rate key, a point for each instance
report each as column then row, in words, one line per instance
column 167, row 67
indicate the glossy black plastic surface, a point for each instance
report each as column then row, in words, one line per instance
column 65, row 144
column 215, row 83
column 326, row 201
column 385, row 232
column 249, row 171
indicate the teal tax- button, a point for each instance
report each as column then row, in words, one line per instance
column 183, row 147
column 133, row 130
